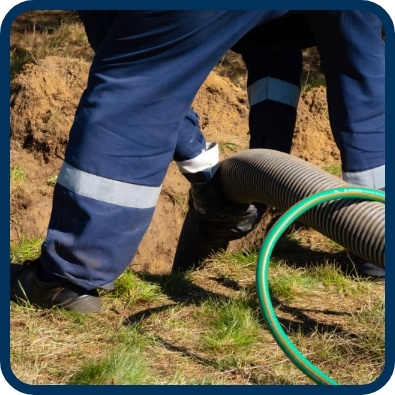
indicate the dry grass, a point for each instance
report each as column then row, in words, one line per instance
column 183, row 337
column 206, row 327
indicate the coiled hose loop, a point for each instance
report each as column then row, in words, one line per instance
column 262, row 281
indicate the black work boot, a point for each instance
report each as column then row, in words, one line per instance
column 26, row 287
column 367, row 270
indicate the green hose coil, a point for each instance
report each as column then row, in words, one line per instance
column 297, row 358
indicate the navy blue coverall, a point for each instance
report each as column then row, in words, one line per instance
column 133, row 116
column 352, row 54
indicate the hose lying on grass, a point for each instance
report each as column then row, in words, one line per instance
column 353, row 217
column 281, row 180
column 262, row 279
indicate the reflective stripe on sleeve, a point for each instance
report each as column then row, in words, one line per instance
column 205, row 160
column 107, row 190
column 270, row 88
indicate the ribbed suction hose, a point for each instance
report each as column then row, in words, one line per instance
column 281, row 180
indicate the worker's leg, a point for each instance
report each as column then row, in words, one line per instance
column 141, row 84
column 353, row 59
column 273, row 56
column 273, row 87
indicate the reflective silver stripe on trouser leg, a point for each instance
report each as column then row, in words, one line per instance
column 371, row 178
column 95, row 228
column 107, row 190
column 270, row 88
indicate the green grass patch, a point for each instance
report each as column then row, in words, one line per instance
column 131, row 289
column 228, row 147
column 312, row 80
column 334, row 170
column 125, row 363
column 27, row 248
column 17, row 174
column 51, row 181
column 287, row 283
column 231, row 325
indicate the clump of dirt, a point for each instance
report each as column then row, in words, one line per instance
column 313, row 140
column 44, row 97
column 43, row 101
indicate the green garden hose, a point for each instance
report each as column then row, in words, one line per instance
column 298, row 359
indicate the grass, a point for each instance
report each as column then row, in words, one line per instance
column 17, row 174
column 132, row 289
column 58, row 37
column 206, row 327
column 228, row 147
column 310, row 81
column 51, row 181
column 334, row 170
column 231, row 325
column 26, row 249
column 178, row 199
column 290, row 283
column 125, row 363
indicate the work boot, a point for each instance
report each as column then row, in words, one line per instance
column 366, row 269
column 26, row 287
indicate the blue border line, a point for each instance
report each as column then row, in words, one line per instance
column 230, row 4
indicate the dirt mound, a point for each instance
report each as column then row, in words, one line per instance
column 43, row 101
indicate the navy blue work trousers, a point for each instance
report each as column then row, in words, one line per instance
column 143, row 79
